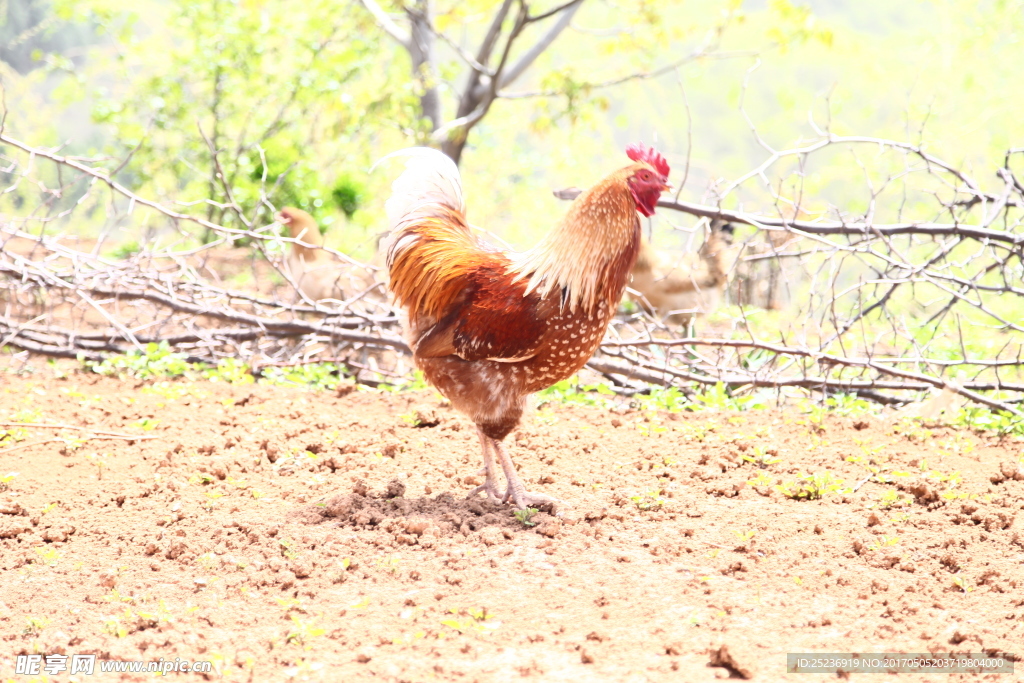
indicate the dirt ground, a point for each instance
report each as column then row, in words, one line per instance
column 284, row 534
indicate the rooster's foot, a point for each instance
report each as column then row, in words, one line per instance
column 528, row 499
column 487, row 487
column 515, row 491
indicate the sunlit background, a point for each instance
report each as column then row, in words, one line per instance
column 324, row 92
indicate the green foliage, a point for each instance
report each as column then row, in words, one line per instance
column 884, row 542
column 719, row 397
column 302, row 630
column 1001, row 422
column 762, row 479
column 417, row 383
column 850, row 405
column 669, row 399
column 155, row 361
column 476, row 621
column 318, row 376
column 126, row 250
column 796, row 24
column 278, row 163
column 410, row 418
column 571, row 392
column 258, row 79
column 230, row 370
column 744, row 535
column 348, row 194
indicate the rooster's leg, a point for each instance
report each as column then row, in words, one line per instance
column 516, row 491
column 489, row 486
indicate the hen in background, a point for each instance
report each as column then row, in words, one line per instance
column 677, row 286
column 317, row 273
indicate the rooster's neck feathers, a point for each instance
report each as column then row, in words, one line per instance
column 583, row 255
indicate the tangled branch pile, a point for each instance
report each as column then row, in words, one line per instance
column 883, row 304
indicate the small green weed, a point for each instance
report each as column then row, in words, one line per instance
column 34, row 626
column 891, row 499
column 762, row 457
column 410, row 419
column 652, row 428
column 762, row 479
column 962, row 583
column 524, row 516
column 5, row 480
column 114, row 627
column 668, row 399
column 744, row 535
column 478, row 621
column 884, row 542
column 649, row 500
column 99, row 461
column 812, row 486
column 147, row 424
column 48, row 555
column 850, row 405
column 303, row 631
column 13, row 435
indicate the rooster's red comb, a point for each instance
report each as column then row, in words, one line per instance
column 638, row 151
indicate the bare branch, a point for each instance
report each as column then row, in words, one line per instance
column 828, row 227
column 386, row 23
column 638, row 76
column 530, row 56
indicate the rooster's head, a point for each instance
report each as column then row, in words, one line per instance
column 649, row 179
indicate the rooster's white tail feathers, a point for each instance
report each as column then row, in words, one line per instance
column 430, row 178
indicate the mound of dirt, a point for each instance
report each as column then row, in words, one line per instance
column 282, row 534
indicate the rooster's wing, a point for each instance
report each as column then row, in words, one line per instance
column 494, row 319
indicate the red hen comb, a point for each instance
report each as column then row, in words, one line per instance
column 640, row 152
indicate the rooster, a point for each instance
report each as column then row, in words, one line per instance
column 677, row 287
column 488, row 328
column 314, row 271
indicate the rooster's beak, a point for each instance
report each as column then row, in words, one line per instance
column 666, row 186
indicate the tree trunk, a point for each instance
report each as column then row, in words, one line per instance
column 421, row 49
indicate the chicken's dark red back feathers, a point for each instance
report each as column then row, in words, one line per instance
column 638, row 151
